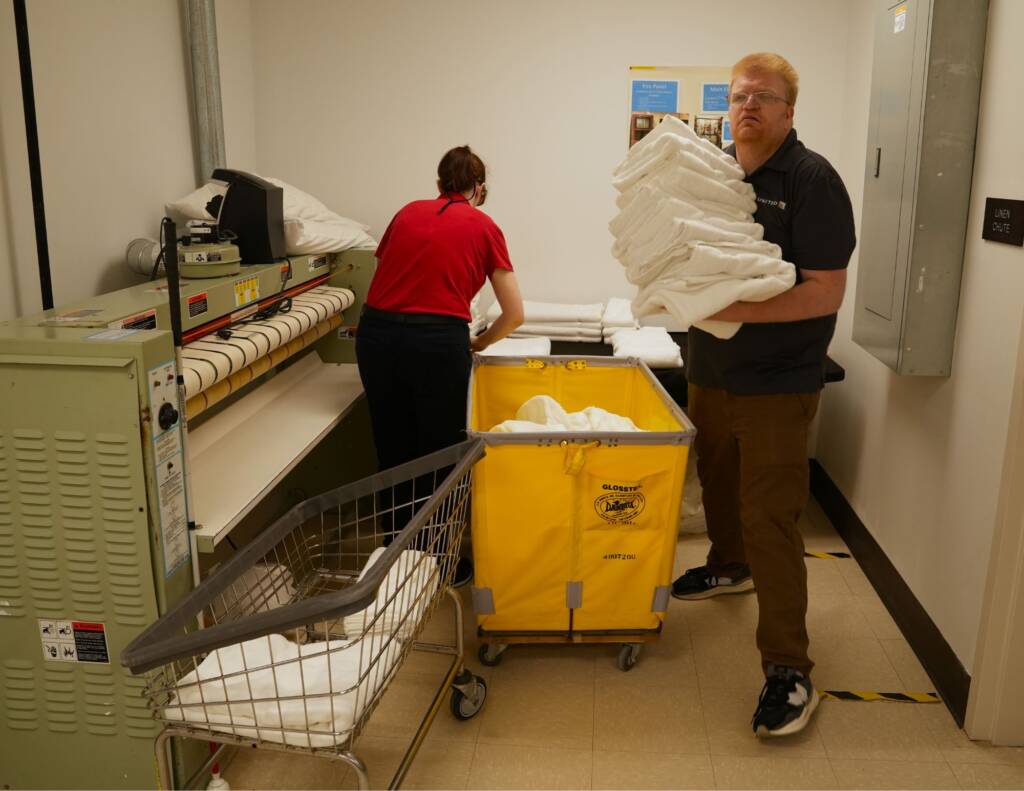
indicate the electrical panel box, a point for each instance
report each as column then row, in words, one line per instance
column 925, row 87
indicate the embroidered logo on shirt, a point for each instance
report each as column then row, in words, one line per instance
column 775, row 204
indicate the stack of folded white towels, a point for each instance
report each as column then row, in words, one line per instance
column 556, row 321
column 618, row 315
column 653, row 345
column 519, row 347
column 685, row 231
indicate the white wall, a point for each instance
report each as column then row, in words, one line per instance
column 19, row 278
column 238, row 97
column 920, row 459
column 357, row 101
column 115, row 137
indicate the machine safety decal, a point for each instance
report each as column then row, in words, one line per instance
column 74, row 641
column 140, row 321
column 246, row 290
column 899, row 23
column 168, row 460
column 198, row 304
column 110, row 335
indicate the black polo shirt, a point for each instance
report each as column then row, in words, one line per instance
column 804, row 208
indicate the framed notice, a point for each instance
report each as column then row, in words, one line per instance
column 682, row 91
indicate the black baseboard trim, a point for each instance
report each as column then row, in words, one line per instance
column 951, row 680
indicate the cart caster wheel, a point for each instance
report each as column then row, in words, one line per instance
column 628, row 655
column 465, row 707
column 490, row 654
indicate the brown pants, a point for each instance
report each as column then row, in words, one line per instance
column 752, row 463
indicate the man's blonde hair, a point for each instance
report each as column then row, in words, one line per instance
column 768, row 63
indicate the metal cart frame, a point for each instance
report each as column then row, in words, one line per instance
column 301, row 577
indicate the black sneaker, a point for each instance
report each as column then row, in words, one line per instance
column 787, row 702
column 699, row 584
column 463, row 573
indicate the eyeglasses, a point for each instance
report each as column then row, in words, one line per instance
column 761, row 97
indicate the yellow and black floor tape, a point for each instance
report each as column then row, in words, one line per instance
column 827, row 555
column 901, row 697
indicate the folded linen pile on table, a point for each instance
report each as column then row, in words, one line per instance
column 618, row 315
column 685, row 231
column 560, row 322
column 653, row 345
column 519, row 347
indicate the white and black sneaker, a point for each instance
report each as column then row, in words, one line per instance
column 787, row 702
column 698, row 583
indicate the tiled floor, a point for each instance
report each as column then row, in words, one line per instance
column 566, row 717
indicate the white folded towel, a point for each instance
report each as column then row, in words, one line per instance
column 542, row 413
column 675, row 241
column 673, row 174
column 575, row 338
column 712, row 279
column 674, row 148
column 653, row 345
column 684, row 137
column 402, row 597
column 270, row 682
column 252, row 688
column 519, row 347
column 588, row 330
column 618, row 313
column 554, row 313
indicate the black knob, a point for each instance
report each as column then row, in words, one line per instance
column 167, row 416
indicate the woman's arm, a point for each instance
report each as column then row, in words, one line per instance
column 506, row 289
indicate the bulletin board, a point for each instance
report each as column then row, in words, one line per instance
column 697, row 95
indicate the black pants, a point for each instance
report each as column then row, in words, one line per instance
column 416, row 379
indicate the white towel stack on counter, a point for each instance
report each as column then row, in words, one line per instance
column 557, row 321
column 685, row 231
column 519, row 347
column 618, row 315
column 653, row 345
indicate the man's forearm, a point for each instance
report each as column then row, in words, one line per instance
column 806, row 300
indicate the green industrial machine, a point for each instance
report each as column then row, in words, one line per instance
column 94, row 537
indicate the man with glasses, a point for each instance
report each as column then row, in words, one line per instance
column 753, row 397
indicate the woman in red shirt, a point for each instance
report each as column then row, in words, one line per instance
column 413, row 346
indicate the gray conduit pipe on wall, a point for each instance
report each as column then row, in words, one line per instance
column 202, row 41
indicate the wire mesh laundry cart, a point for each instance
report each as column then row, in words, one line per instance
column 292, row 643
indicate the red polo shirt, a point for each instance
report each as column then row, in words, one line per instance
column 434, row 261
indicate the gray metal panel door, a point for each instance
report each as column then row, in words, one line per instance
column 886, row 158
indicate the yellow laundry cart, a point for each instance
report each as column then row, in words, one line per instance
column 574, row 533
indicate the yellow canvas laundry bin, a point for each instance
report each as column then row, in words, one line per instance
column 574, row 533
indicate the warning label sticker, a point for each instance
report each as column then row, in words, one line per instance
column 140, row 321
column 170, row 472
column 74, row 641
column 899, row 23
column 246, row 290
column 198, row 304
